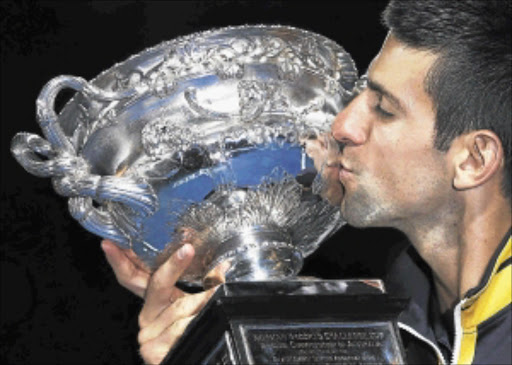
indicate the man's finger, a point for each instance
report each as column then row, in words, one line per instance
column 128, row 274
column 154, row 351
column 181, row 308
column 161, row 288
column 316, row 149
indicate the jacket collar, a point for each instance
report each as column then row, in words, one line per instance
column 496, row 260
column 411, row 277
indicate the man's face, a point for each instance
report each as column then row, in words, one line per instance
column 389, row 169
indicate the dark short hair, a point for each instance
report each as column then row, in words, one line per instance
column 471, row 81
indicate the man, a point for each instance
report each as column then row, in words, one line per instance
column 426, row 148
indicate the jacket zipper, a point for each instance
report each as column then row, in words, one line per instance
column 458, row 318
column 420, row 337
column 458, row 331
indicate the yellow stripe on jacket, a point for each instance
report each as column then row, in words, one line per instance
column 495, row 296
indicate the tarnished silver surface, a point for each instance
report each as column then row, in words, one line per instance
column 197, row 140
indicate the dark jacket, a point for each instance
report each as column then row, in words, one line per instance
column 477, row 331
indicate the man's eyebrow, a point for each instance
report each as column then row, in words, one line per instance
column 375, row 86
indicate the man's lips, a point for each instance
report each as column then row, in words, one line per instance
column 344, row 166
column 344, row 172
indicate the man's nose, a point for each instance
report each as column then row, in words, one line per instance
column 350, row 126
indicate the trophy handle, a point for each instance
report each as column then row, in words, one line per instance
column 35, row 154
column 56, row 157
column 96, row 220
column 47, row 117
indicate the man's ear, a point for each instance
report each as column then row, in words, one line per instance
column 478, row 158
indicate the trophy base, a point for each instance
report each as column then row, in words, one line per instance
column 294, row 322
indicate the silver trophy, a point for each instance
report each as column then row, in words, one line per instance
column 197, row 140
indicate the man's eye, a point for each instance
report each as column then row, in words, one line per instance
column 383, row 113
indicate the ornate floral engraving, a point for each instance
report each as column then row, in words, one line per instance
column 230, row 59
column 252, row 98
column 162, row 137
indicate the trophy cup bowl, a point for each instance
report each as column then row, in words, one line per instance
column 197, row 140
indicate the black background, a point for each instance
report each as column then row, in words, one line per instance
column 60, row 303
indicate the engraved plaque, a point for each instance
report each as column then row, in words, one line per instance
column 294, row 322
column 321, row 343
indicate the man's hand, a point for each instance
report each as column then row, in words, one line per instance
column 323, row 150
column 167, row 310
column 126, row 267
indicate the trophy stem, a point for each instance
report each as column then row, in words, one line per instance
column 257, row 254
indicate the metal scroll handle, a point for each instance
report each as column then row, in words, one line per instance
column 56, row 157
